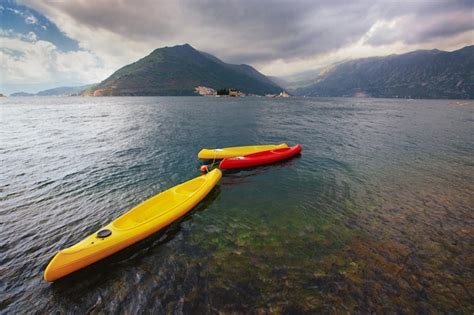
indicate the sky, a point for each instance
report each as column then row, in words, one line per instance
column 50, row 43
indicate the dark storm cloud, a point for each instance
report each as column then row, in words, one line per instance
column 425, row 21
column 261, row 31
column 449, row 28
column 287, row 29
column 140, row 19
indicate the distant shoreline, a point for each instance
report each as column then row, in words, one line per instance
column 248, row 96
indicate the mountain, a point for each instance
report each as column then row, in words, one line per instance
column 59, row 91
column 280, row 81
column 21, row 94
column 417, row 74
column 64, row 90
column 177, row 71
column 298, row 80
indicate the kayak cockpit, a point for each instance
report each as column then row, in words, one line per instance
column 158, row 205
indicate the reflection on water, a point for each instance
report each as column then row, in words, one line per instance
column 375, row 216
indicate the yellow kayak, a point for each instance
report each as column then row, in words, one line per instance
column 133, row 226
column 209, row 154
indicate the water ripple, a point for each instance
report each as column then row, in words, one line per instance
column 374, row 216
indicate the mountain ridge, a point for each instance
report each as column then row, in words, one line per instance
column 417, row 74
column 177, row 70
column 57, row 91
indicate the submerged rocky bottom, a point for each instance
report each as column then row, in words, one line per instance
column 406, row 252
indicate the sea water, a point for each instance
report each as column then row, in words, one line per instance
column 375, row 215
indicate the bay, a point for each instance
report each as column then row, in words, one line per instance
column 375, row 215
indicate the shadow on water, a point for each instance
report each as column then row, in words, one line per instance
column 258, row 170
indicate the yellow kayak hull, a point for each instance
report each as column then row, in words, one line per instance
column 140, row 222
column 210, row 154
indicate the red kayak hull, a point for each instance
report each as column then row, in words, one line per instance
column 260, row 158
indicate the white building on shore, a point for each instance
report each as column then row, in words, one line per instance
column 205, row 91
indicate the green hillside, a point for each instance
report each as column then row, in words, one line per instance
column 177, row 71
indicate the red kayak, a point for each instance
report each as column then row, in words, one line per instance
column 260, row 158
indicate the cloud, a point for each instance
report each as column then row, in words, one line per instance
column 31, row 20
column 9, row 33
column 277, row 37
column 250, row 32
column 35, row 54
column 28, row 17
column 32, row 37
column 254, row 31
column 42, row 63
column 23, row 19
column 422, row 26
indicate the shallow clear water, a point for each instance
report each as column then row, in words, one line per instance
column 375, row 215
